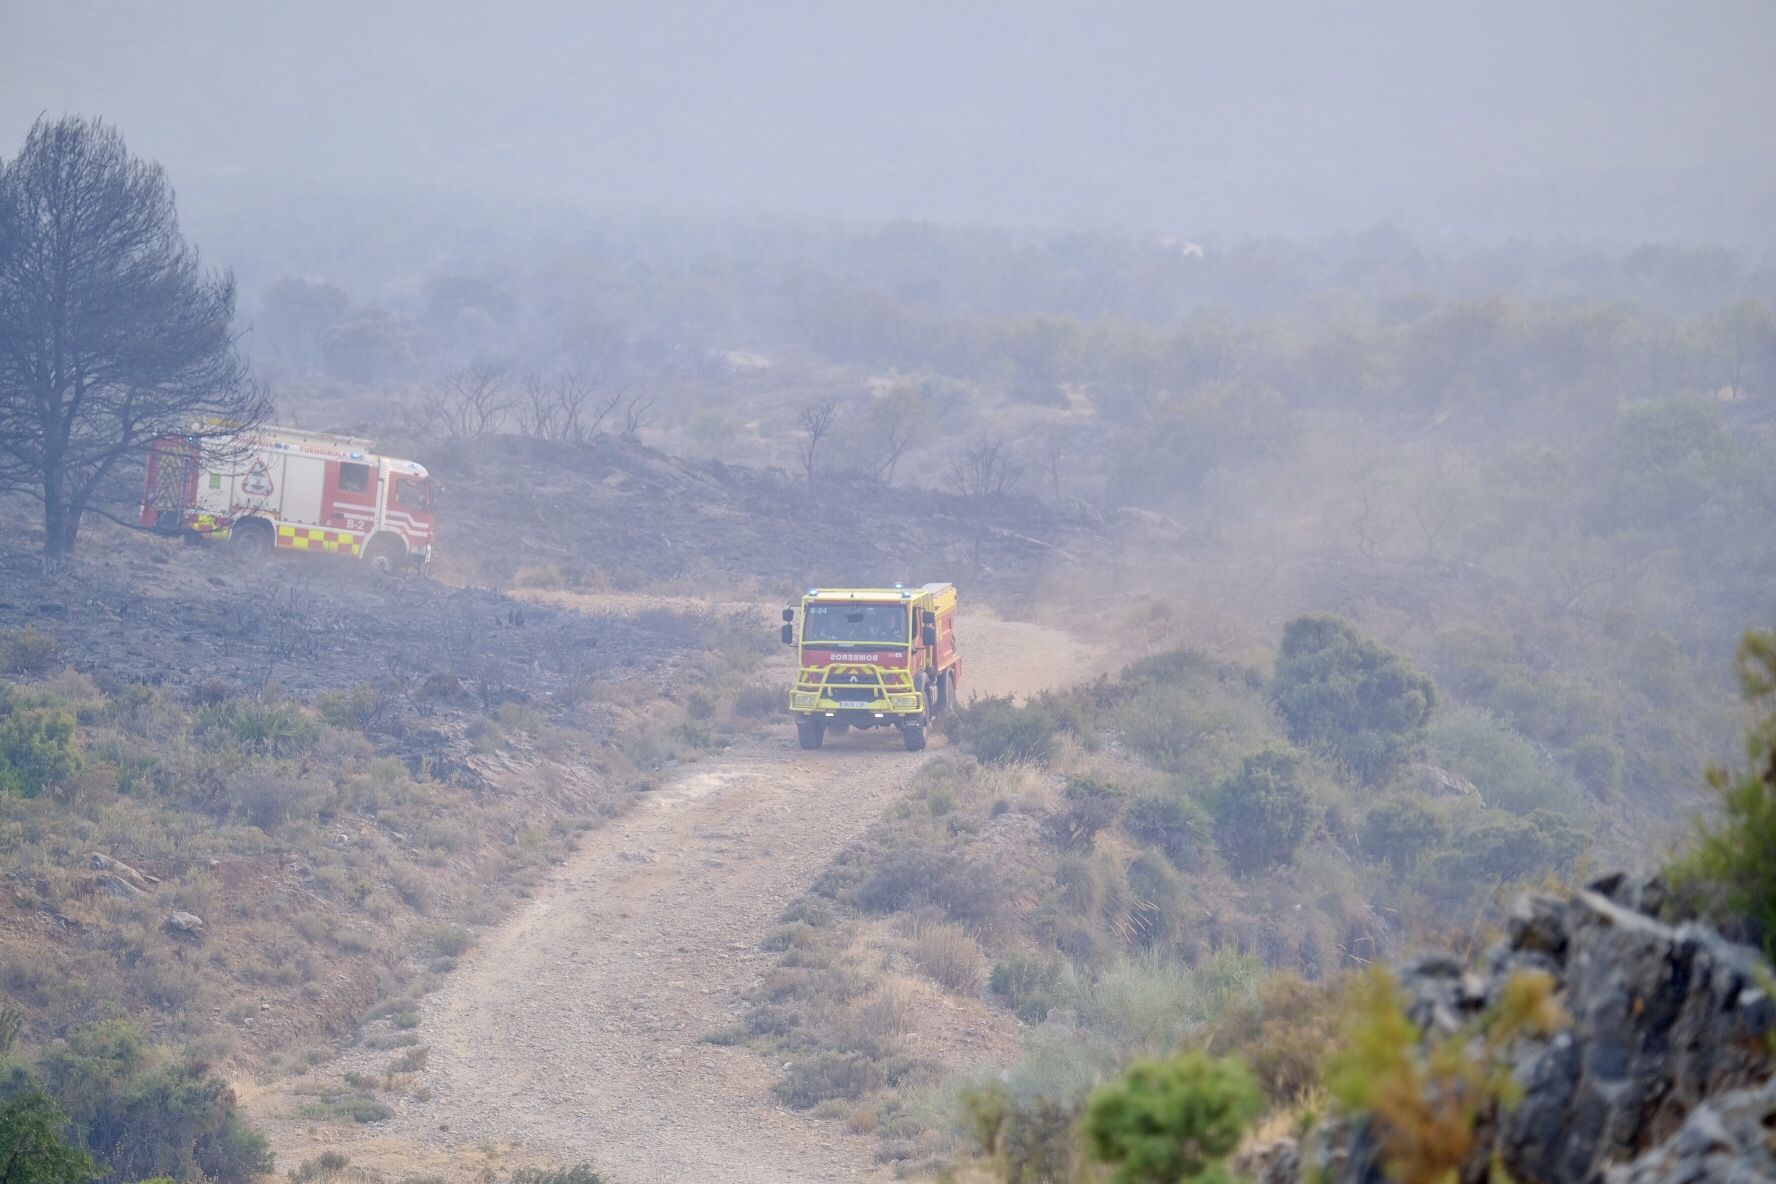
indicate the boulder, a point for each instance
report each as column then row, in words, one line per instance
column 116, row 867
column 181, row 922
column 1663, row 1018
column 1658, row 1078
column 1726, row 1140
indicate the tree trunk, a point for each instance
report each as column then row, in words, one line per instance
column 61, row 524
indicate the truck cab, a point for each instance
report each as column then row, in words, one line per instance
column 873, row 657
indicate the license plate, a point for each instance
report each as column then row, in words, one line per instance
column 851, row 703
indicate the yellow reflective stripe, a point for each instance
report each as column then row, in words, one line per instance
column 314, row 538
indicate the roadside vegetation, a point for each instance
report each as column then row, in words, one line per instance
column 1170, row 858
column 1133, row 910
column 200, row 878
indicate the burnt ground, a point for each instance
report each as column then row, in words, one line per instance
column 617, row 514
column 610, row 514
column 134, row 609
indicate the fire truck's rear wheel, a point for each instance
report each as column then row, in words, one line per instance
column 942, row 691
column 913, row 735
column 810, row 732
column 250, row 541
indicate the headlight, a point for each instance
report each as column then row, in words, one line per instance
column 803, row 699
column 909, row 702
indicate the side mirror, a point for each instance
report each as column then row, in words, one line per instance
column 930, row 633
column 788, row 634
column 789, row 614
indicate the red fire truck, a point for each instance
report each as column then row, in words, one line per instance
column 274, row 489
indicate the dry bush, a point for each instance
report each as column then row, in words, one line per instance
column 950, row 955
column 882, row 1017
column 759, row 699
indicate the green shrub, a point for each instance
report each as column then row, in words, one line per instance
column 450, row 941
column 38, row 747
column 1172, row 822
column 1493, row 848
column 1032, row 987
column 1597, row 761
column 27, row 651
column 31, row 1138
column 757, row 700
column 1339, row 691
column 363, row 710
column 1160, row 897
column 1401, row 833
column 1172, row 667
column 1262, row 813
column 1172, row 1121
column 579, row 1173
column 902, row 878
column 1510, row 773
column 1730, row 862
column 323, row 1166
column 827, row 1075
column 143, row 1113
column 1091, row 805
column 1284, row 1033
column 275, row 729
column 347, row 1106
column 1028, row 1142
column 1150, row 1004
column 997, row 731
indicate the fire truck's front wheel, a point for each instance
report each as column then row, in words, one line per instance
column 913, row 735
column 810, row 732
column 250, row 540
column 384, row 555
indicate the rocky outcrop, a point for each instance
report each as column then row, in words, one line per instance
column 1662, row 1075
column 1730, row 1139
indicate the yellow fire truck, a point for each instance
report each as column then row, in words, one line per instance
column 873, row 658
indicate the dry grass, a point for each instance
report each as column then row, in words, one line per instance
column 950, row 955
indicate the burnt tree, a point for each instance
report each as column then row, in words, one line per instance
column 111, row 331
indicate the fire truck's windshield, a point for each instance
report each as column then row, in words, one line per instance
column 413, row 493
column 877, row 624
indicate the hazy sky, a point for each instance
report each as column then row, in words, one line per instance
column 1618, row 119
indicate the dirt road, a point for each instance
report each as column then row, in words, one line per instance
column 574, row 1030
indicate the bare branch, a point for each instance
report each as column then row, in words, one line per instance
column 986, row 470
column 816, row 422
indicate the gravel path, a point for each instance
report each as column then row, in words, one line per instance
column 573, row 1031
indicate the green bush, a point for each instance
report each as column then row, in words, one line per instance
column 1091, row 805
column 1492, row 848
column 1172, row 822
column 1172, row 1121
column 1032, row 987
column 579, row 1173
column 38, row 747
column 1339, row 691
column 1160, row 898
column 31, row 1139
column 1262, row 813
column 1028, row 1142
column 1597, row 761
column 1402, row 833
column 27, row 651
column 827, row 1075
column 275, row 729
column 997, row 731
column 1509, row 771
column 1730, row 862
column 143, row 1113
column 322, row 1167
